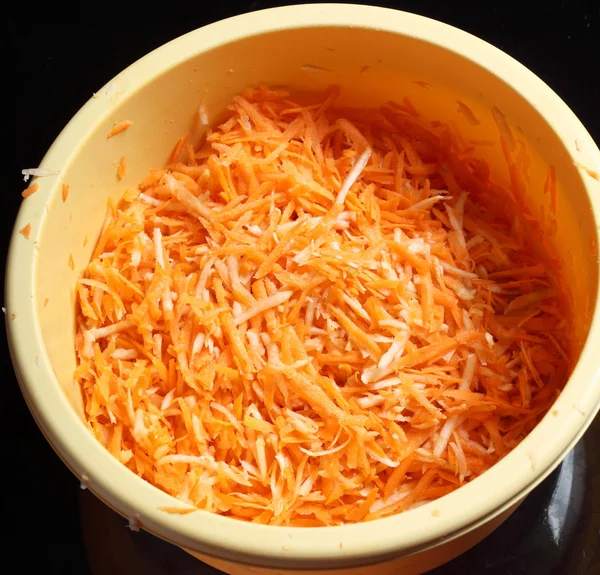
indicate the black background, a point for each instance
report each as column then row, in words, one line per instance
column 56, row 55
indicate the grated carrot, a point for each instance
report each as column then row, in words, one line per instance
column 122, row 168
column 550, row 187
column 118, row 128
column 25, row 231
column 178, row 148
column 466, row 111
column 178, row 510
column 30, row 190
column 65, row 192
column 317, row 316
column 591, row 173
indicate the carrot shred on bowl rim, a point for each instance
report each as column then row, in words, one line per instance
column 121, row 168
column 25, row 231
column 118, row 128
column 319, row 317
column 591, row 173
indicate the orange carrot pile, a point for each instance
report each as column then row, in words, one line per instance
column 317, row 316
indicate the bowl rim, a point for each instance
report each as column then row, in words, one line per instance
column 238, row 541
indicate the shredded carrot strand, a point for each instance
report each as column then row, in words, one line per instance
column 122, row 168
column 30, row 190
column 25, row 231
column 591, row 173
column 65, row 192
column 118, row 128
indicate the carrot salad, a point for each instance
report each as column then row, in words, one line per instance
column 316, row 316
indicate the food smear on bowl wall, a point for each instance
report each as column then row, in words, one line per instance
column 317, row 315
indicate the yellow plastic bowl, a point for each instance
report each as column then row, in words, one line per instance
column 305, row 48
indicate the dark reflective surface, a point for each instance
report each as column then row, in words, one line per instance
column 555, row 531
